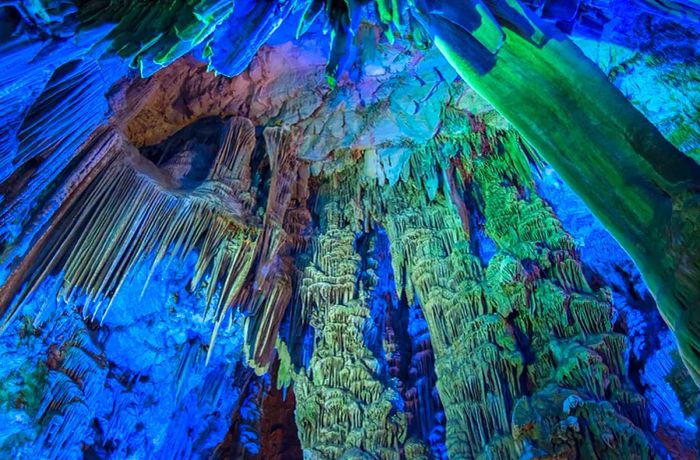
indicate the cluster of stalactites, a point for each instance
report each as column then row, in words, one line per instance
column 149, row 35
column 133, row 209
column 225, row 34
column 535, row 282
column 343, row 20
column 346, row 403
column 133, row 212
column 270, row 286
column 486, row 315
column 477, row 378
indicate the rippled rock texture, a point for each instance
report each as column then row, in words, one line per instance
column 220, row 238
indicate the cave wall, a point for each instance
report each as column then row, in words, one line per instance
column 134, row 386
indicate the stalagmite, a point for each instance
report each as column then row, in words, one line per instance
column 346, row 402
column 525, row 322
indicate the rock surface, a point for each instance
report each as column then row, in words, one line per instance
column 415, row 282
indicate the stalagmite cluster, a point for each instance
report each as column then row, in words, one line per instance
column 525, row 356
column 595, row 139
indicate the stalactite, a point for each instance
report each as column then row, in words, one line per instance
column 554, row 315
column 97, row 153
column 142, row 209
column 448, row 281
column 507, row 352
column 149, row 210
column 237, row 39
column 153, row 35
column 36, row 70
column 47, row 141
column 512, row 42
column 270, row 286
column 346, row 402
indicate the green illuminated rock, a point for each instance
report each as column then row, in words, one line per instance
column 644, row 190
column 525, row 355
column 346, row 401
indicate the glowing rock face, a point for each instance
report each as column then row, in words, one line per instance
column 73, row 387
column 270, row 266
column 348, row 404
column 596, row 139
column 500, row 339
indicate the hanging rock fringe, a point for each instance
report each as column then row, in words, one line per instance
column 135, row 208
column 268, row 288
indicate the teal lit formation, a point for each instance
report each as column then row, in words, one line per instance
column 337, row 229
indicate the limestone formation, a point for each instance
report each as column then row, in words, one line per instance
column 347, row 404
column 595, row 139
column 225, row 237
column 520, row 326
